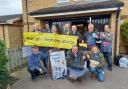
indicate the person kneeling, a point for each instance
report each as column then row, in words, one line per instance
column 97, row 63
column 75, row 64
column 35, row 67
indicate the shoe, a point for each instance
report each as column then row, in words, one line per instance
column 110, row 69
column 71, row 80
column 44, row 73
column 93, row 76
column 79, row 79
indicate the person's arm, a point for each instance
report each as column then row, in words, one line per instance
column 30, row 63
column 102, row 61
column 87, row 54
column 109, row 38
column 96, row 35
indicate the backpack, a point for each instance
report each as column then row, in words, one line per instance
column 116, row 59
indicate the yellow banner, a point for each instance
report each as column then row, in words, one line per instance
column 49, row 40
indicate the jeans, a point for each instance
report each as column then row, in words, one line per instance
column 76, row 72
column 99, row 72
column 45, row 59
column 107, row 56
column 34, row 73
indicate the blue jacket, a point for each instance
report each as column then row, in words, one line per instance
column 88, row 37
column 34, row 61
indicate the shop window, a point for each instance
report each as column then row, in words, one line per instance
column 62, row 1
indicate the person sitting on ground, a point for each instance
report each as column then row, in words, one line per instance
column 75, row 63
column 97, row 63
column 35, row 67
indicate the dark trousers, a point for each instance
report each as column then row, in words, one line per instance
column 34, row 73
column 108, row 58
column 45, row 57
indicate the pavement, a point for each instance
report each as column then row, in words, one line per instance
column 117, row 79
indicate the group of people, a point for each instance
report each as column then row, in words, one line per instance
column 79, row 61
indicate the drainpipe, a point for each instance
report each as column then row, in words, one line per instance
column 26, row 3
column 116, row 32
column 4, row 34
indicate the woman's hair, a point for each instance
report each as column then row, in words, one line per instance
column 95, row 47
column 107, row 25
column 54, row 26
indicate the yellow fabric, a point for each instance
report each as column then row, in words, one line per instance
column 49, row 40
column 83, row 45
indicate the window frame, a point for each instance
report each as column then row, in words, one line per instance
column 62, row 1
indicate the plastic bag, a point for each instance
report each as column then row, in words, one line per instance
column 123, row 62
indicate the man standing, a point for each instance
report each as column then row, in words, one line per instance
column 67, row 29
column 75, row 32
column 90, row 36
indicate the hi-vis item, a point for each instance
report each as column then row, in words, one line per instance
column 58, row 65
column 83, row 45
column 49, row 40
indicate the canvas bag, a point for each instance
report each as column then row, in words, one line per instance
column 123, row 62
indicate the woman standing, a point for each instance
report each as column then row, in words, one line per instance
column 106, row 45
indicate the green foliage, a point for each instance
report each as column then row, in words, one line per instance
column 2, row 56
column 4, row 76
column 124, row 29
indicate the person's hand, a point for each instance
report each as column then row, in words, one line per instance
column 103, row 35
column 77, row 37
column 88, row 56
column 97, row 37
column 40, row 70
column 83, row 57
column 82, row 41
column 93, row 65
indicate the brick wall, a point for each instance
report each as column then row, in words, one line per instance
column 125, row 9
